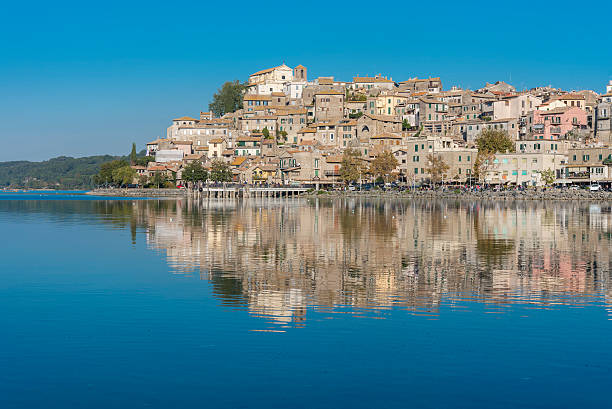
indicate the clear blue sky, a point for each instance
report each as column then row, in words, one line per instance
column 83, row 78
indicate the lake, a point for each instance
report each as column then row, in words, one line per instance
column 303, row 303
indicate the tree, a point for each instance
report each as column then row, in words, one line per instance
column 405, row 125
column 482, row 164
column 124, row 175
column 105, row 176
column 494, row 141
column 133, row 154
column 383, row 165
column 195, row 172
column 228, row 98
column 351, row 166
column 159, row 179
column 548, row 177
column 143, row 180
column 282, row 135
column 220, row 171
column 490, row 142
column 266, row 132
column 418, row 133
column 436, row 167
column 144, row 160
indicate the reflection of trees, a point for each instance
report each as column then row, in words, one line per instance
column 491, row 248
column 277, row 257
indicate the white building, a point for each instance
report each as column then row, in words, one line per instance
column 515, row 107
column 168, row 155
column 271, row 80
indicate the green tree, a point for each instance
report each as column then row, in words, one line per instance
column 159, row 179
column 228, row 98
column 133, row 154
column 123, row 175
column 548, row 176
column 483, row 162
column 266, row 133
column 105, row 176
column 220, row 171
column 143, row 180
column 418, row 133
column 351, row 166
column 194, row 172
column 144, row 160
column 282, row 136
column 405, row 125
column 436, row 167
column 383, row 165
column 490, row 142
column 494, row 141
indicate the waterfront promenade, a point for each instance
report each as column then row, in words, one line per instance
column 294, row 192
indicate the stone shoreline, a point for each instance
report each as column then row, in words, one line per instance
column 550, row 194
column 153, row 193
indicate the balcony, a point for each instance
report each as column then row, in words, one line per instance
column 332, row 173
column 555, row 129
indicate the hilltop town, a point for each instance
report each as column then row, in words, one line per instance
column 294, row 130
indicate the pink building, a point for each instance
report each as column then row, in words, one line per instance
column 556, row 123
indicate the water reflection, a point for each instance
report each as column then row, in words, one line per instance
column 278, row 258
column 281, row 258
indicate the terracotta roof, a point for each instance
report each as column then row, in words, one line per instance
column 267, row 70
column 329, row 92
column 307, row 130
column 216, row 140
column 186, row 118
column 370, row 79
column 383, row 118
column 571, row 96
column 238, row 160
column 386, row 136
column 268, row 167
column 247, row 139
column 334, row 159
column 256, row 97
column 420, row 80
column 182, row 143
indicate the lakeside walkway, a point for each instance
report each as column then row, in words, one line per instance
column 294, row 192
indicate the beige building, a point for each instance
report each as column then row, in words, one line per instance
column 328, row 106
column 522, row 168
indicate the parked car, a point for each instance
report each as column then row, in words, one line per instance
column 351, row 188
column 575, row 187
column 595, row 187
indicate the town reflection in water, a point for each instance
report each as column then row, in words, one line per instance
column 280, row 258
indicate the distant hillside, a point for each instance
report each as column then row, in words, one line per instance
column 63, row 172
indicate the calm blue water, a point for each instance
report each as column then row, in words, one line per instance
column 287, row 303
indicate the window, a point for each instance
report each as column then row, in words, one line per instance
column 416, row 171
column 416, row 148
column 459, row 158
